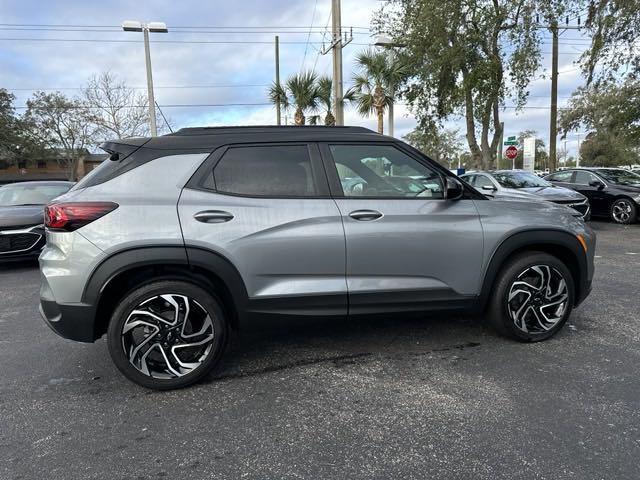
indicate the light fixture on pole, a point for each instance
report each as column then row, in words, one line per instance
column 145, row 28
column 383, row 41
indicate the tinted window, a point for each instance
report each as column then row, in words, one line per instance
column 561, row 177
column 517, row 179
column 383, row 171
column 470, row 179
column 584, row 178
column 482, row 181
column 274, row 171
column 619, row 176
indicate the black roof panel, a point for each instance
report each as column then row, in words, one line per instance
column 274, row 129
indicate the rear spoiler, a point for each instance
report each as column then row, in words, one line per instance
column 121, row 149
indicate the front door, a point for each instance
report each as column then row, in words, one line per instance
column 407, row 247
column 584, row 182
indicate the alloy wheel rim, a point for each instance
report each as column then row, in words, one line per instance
column 622, row 211
column 167, row 336
column 538, row 299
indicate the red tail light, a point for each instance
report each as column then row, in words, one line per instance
column 71, row 216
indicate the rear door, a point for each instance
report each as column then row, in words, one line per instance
column 267, row 209
column 407, row 247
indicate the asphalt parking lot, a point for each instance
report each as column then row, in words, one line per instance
column 391, row 398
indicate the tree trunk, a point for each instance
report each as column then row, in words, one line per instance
column 330, row 120
column 73, row 169
column 476, row 153
column 380, row 112
column 299, row 117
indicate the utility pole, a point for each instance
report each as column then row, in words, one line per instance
column 336, row 28
column 337, row 43
column 553, row 125
column 278, row 113
column 553, row 121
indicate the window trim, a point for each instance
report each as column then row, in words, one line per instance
column 321, row 184
column 334, row 179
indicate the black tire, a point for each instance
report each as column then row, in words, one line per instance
column 623, row 211
column 499, row 315
column 202, row 304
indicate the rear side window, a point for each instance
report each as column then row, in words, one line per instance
column 266, row 171
column 561, row 177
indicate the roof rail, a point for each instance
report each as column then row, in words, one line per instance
column 262, row 128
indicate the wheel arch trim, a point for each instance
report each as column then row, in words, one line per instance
column 192, row 258
column 542, row 240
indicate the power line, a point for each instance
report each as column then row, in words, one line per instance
column 314, row 30
column 219, row 42
column 313, row 16
column 177, row 27
column 255, row 85
column 175, row 105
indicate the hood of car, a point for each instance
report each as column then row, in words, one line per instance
column 627, row 188
column 552, row 194
column 21, row 216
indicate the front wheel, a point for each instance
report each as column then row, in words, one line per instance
column 533, row 297
column 623, row 211
column 167, row 334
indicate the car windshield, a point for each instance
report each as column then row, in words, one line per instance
column 519, row 180
column 619, row 176
column 16, row 194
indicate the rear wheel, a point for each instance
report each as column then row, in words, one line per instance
column 167, row 334
column 533, row 297
column 623, row 211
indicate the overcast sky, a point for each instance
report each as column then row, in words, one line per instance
column 217, row 73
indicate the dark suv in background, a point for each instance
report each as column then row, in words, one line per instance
column 612, row 192
column 180, row 238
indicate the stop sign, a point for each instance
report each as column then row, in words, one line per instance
column 511, row 152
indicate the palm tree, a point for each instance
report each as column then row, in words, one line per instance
column 374, row 86
column 300, row 90
column 278, row 95
column 325, row 97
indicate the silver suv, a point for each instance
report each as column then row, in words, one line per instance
column 177, row 240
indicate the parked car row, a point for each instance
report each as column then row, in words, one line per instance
column 600, row 192
column 521, row 185
column 612, row 192
column 22, row 216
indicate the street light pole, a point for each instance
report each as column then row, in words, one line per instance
column 145, row 28
column 385, row 42
column 151, row 98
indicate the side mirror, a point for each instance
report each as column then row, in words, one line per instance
column 489, row 188
column 454, row 190
column 596, row 183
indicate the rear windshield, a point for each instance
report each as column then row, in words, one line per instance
column 30, row 194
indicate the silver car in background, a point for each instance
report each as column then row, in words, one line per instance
column 523, row 185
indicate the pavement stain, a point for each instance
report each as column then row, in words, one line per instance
column 341, row 361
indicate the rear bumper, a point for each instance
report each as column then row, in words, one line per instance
column 74, row 321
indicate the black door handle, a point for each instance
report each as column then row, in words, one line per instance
column 365, row 215
column 213, row 216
